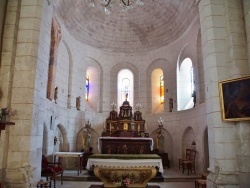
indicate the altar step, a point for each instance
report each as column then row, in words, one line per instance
column 167, row 177
column 156, row 179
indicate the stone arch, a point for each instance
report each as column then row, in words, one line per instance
column 69, row 100
column 45, row 138
column 185, row 101
column 187, row 139
column 168, row 142
column 97, row 76
column 93, row 141
column 113, row 81
column 63, row 142
column 168, row 81
column 205, row 160
column 56, row 36
column 200, row 72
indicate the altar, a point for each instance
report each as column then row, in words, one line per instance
column 125, row 145
column 111, row 169
column 78, row 155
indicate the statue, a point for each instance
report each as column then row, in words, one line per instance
column 194, row 98
column 125, row 126
column 126, row 97
column 142, row 150
column 78, row 102
column 160, row 140
column 108, row 149
column 55, row 94
column 86, row 136
column 170, row 104
column 125, row 149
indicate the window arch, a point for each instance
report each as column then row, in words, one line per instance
column 185, row 85
column 125, row 85
column 157, row 90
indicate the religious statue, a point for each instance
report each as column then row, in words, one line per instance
column 78, row 102
column 56, row 94
column 194, row 98
column 170, row 104
column 125, row 126
column 160, row 140
column 125, row 149
column 126, row 96
column 108, row 149
column 86, row 136
column 142, row 150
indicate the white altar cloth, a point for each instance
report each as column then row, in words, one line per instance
column 125, row 163
column 70, row 154
column 125, row 138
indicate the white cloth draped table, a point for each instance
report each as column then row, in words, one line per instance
column 78, row 155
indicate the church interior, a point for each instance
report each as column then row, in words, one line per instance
column 87, row 82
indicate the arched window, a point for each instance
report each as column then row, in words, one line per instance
column 87, row 88
column 161, row 89
column 185, row 85
column 125, row 86
column 157, row 90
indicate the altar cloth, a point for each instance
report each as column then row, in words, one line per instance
column 136, row 161
column 78, row 155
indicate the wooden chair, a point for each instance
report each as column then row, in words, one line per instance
column 187, row 158
column 189, row 164
column 201, row 182
column 51, row 170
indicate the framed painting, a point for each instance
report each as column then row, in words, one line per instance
column 235, row 99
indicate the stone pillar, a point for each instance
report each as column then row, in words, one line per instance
column 8, row 52
column 246, row 7
column 224, row 57
column 3, row 4
column 22, row 26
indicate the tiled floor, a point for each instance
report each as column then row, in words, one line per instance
column 173, row 178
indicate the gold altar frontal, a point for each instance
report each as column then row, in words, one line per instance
column 113, row 177
column 112, row 169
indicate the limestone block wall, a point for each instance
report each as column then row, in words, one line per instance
column 224, row 57
column 3, row 5
column 24, row 76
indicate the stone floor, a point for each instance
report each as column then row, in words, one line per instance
column 173, row 178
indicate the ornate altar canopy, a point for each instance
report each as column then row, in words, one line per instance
column 125, row 133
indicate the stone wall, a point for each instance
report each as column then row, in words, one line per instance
column 38, row 120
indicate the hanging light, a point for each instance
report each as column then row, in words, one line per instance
column 106, row 5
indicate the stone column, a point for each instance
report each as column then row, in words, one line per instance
column 20, row 163
column 224, row 57
column 8, row 52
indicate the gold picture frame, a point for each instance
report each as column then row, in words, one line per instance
column 235, row 99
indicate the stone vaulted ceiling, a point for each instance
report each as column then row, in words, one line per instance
column 144, row 28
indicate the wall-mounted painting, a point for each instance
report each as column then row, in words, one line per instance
column 235, row 99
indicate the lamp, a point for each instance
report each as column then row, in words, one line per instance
column 106, row 5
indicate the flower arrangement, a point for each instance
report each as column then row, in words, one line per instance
column 124, row 182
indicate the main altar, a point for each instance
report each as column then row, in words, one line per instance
column 125, row 150
column 124, row 133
